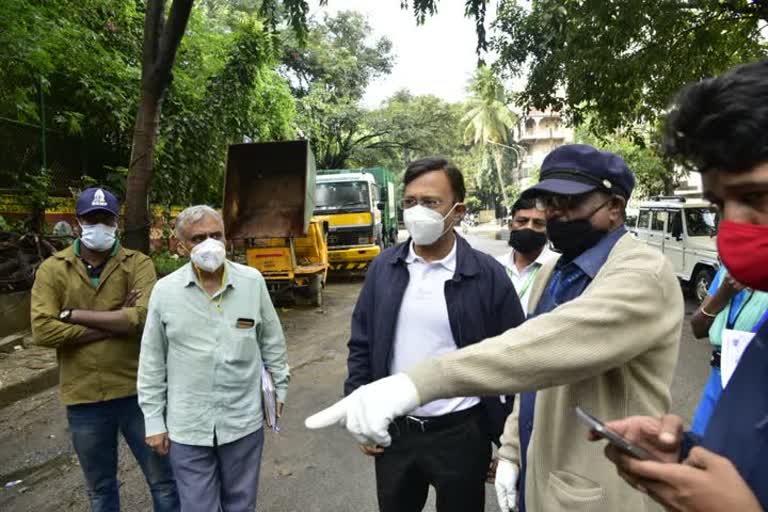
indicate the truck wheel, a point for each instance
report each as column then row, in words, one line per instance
column 701, row 283
column 316, row 290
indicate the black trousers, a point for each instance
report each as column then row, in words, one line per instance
column 453, row 459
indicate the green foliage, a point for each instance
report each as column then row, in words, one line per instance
column 654, row 174
column 85, row 57
column 166, row 262
column 473, row 203
column 337, row 56
column 113, row 179
column 242, row 96
column 329, row 76
column 408, row 127
column 489, row 117
column 225, row 86
column 489, row 121
column 620, row 62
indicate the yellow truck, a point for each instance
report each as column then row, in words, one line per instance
column 269, row 195
column 361, row 209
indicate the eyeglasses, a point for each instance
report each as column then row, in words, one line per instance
column 202, row 237
column 426, row 202
column 559, row 202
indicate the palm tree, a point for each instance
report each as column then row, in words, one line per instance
column 489, row 120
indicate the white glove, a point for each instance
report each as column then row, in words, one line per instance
column 368, row 411
column 506, row 485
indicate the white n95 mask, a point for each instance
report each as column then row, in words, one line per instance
column 424, row 225
column 209, row 255
column 98, row 237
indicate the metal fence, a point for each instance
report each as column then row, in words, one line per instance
column 25, row 149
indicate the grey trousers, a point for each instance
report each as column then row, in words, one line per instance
column 218, row 478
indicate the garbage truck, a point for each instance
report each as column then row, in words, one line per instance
column 360, row 207
column 269, row 197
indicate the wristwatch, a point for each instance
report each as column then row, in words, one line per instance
column 65, row 314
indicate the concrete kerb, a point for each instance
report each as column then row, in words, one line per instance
column 490, row 230
column 27, row 370
column 8, row 344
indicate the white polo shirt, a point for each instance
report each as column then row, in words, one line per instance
column 423, row 330
column 523, row 279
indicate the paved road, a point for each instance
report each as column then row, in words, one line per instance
column 302, row 471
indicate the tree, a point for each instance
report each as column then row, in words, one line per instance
column 408, row 127
column 654, row 173
column 489, row 120
column 329, row 76
column 336, row 55
column 161, row 40
column 81, row 59
column 243, row 97
column 620, row 62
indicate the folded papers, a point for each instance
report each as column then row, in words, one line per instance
column 269, row 400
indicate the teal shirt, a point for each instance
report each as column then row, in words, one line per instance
column 745, row 309
column 199, row 373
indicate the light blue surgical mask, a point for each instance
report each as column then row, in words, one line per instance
column 98, row 237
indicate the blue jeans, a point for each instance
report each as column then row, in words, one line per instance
column 709, row 398
column 94, row 429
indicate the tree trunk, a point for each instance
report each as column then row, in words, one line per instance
column 140, row 171
column 161, row 41
column 499, row 157
column 668, row 178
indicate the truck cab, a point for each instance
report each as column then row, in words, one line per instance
column 354, row 205
column 685, row 231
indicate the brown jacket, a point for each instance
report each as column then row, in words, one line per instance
column 611, row 351
column 103, row 370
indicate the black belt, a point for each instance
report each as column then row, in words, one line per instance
column 714, row 361
column 433, row 423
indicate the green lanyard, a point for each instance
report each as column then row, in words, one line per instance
column 527, row 284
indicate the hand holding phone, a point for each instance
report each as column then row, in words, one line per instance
column 612, row 437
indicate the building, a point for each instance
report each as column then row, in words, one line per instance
column 539, row 133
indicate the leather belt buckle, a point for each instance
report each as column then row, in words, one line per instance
column 421, row 424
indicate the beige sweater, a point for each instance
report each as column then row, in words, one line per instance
column 611, row 351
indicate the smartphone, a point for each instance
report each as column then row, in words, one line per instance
column 614, row 438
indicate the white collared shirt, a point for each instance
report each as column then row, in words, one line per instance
column 423, row 330
column 523, row 279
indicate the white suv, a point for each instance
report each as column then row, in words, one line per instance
column 684, row 230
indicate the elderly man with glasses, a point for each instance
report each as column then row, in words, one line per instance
column 605, row 337
column 210, row 329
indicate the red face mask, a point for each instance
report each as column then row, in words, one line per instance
column 743, row 248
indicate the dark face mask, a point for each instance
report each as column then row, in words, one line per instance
column 573, row 237
column 526, row 240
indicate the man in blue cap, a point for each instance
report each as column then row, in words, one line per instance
column 89, row 302
column 605, row 337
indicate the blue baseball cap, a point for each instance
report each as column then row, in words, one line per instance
column 575, row 169
column 96, row 199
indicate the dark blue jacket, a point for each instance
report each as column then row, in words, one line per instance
column 738, row 429
column 481, row 301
